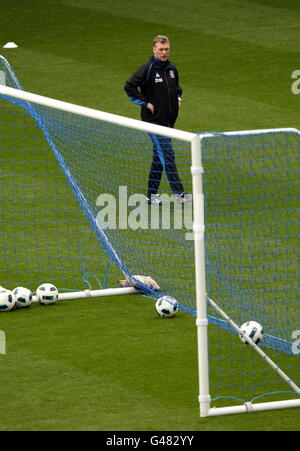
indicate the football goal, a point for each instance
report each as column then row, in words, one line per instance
column 74, row 213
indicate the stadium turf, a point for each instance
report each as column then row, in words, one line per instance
column 111, row 364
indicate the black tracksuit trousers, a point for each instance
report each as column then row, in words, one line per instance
column 163, row 159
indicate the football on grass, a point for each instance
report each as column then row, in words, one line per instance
column 23, row 297
column 253, row 330
column 166, row 306
column 47, row 294
column 7, row 300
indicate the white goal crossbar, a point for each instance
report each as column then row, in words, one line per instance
column 96, row 114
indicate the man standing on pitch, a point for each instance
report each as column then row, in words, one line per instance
column 155, row 87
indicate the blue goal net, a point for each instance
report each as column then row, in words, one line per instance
column 74, row 212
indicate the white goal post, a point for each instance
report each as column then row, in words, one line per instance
column 195, row 142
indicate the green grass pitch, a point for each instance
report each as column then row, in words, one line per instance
column 111, row 364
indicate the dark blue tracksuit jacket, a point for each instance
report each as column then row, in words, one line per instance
column 156, row 82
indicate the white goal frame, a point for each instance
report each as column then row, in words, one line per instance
column 195, row 141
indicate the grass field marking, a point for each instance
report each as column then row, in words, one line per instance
column 2, row 342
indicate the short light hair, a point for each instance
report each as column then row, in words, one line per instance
column 160, row 38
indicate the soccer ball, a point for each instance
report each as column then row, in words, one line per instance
column 47, row 294
column 7, row 300
column 166, row 306
column 23, row 297
column 253, row 330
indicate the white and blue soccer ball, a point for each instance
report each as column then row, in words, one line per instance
column 7, row 300
column 253, row 330
column 166, row 306
column 23, row 297
column 47, row 294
